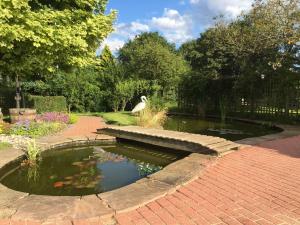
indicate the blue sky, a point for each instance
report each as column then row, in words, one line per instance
column 177, row 20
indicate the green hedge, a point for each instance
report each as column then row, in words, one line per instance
column 7, row 99
column 48, row 103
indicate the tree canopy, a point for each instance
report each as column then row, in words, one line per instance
column 43, row 36
column 262, row 44
column 150, row 57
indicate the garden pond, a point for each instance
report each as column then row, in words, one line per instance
column 230, row 129
column 88, row 170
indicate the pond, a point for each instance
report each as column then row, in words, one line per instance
column 88, row 170
column 231, row 130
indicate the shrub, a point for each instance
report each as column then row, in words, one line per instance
column 73, row 118
column 54, row 117
column 151, row 118
column 48, row 103
column 34, row 129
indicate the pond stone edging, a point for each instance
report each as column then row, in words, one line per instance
column 17, row 205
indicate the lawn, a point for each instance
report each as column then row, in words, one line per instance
column 117, row 118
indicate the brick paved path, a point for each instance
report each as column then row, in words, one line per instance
column 255, row 185
column 85, row 126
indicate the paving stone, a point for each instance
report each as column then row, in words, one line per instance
column 9, row 196
column 9, row 155
column 51, row 208
column 135, row 195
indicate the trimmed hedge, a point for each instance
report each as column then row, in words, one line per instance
column 48, row 103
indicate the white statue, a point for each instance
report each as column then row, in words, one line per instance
column 142, row 105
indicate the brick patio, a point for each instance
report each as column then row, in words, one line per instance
column 256, row 185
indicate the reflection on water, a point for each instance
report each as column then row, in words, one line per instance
column 89, row 170
column 231, row 130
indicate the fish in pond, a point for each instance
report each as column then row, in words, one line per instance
column 58, row 184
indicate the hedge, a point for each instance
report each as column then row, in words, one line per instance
column 7, row 99
column 47, row 103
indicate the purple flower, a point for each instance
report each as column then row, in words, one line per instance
column 54, row 117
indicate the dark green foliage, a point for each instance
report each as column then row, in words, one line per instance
column 150, row 57
column 7, row 100
column 48, row 103
column 248, row 66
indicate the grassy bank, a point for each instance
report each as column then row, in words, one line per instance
column 117, row 118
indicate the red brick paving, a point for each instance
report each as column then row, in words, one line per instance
column 85, row 126
column 256, row 185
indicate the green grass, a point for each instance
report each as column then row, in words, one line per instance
column 4, row 145
column 117, row 118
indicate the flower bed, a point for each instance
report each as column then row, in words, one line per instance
column 36, row 129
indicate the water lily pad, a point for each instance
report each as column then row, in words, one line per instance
column 84, row 173
column 77, row 163
column 90, row 185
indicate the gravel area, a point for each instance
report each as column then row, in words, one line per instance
column 18, row 142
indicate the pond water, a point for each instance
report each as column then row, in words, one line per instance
column 88, row 170
column 231, row 130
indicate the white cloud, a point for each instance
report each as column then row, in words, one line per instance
column 175, row 27
column 114, row 43
column 230, row 8
column 123, row 32
column 129, row 30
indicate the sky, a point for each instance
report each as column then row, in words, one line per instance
column 177, row 20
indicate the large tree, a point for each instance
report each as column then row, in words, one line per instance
column 42, row 36
column 262, row 44
column 150, row 57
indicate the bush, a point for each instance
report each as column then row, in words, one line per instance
column 73, row 118
column 54, row 117
column 34, row 129
column 151, row 118
column 48, row 103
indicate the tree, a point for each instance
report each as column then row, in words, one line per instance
column 150, row 57
column 42, row 36
column 260, row 44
